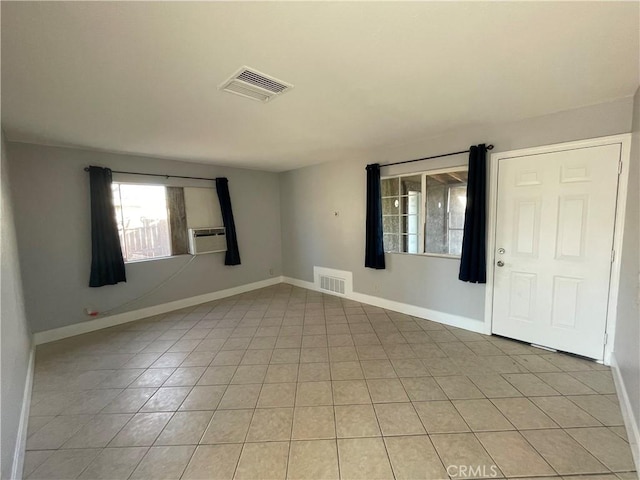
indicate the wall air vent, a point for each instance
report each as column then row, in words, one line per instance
column 335, row 282
column 250, row 83
column 332, row 284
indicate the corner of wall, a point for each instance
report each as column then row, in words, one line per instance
column 631, row 423
column 17, row 347
column 74, row 329
column 457, row 321
column 21, row 440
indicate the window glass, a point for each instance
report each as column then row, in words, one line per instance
column 141, row 214
column 391, row 206
column 391, row 242
column 411, row 184
column 424, row 213
column 389, row 187
column 457, row 205
column 391, row 224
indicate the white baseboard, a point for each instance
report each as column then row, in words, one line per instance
column 21, row 440
column 413, row 310
column 126, row 317
column 630, row 422
column 113, row 320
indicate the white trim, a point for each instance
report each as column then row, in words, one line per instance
column 630, row 422
column 435, row 255
column 421, row 312
column 491, row 240
column 434, row 171
column 616, row 266
column 413, row 310
column 21, row 440
column 559, row 147
column 113, row 320
column 624, row 140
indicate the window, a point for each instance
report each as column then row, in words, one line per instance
column 424, row 212
column 141, row 213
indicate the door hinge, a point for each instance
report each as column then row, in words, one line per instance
column 606, row 338
column 613, row 256
column 619, row 167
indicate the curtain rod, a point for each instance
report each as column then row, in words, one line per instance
column 86, row 169
column 489, row 147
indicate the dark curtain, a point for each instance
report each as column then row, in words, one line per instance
column 374, row 249
column 473, row 263
column 232, row 257
column 107, row 264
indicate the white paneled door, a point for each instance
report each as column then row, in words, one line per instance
column 553, row 247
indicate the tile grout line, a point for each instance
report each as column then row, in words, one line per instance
column 375, row 413
column 237, row 323
column 293, row 420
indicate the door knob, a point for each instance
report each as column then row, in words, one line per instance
column 500, row 263
column 501, row 250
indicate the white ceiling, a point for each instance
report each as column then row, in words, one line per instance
column 142, row 77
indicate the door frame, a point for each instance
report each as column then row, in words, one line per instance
column 624, row 140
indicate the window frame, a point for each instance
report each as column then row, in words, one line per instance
column 123, row 247
column 423, row 214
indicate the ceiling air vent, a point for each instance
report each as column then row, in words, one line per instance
column 250, row 83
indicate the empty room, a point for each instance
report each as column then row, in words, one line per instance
column 320, row 240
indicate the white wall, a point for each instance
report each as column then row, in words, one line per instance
column 627, row 341
column 313, row 235
column 14, row 332
column 51, row 198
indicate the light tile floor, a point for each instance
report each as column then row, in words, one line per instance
column 287, row 383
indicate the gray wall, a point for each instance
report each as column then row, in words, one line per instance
column 627, row 341
column 313, row 235
column 14, row 332
column 51, row 198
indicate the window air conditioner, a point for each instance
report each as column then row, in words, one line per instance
column 207, row 240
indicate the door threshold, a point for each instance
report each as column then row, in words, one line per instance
column 542, row 347
column 549, row 349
